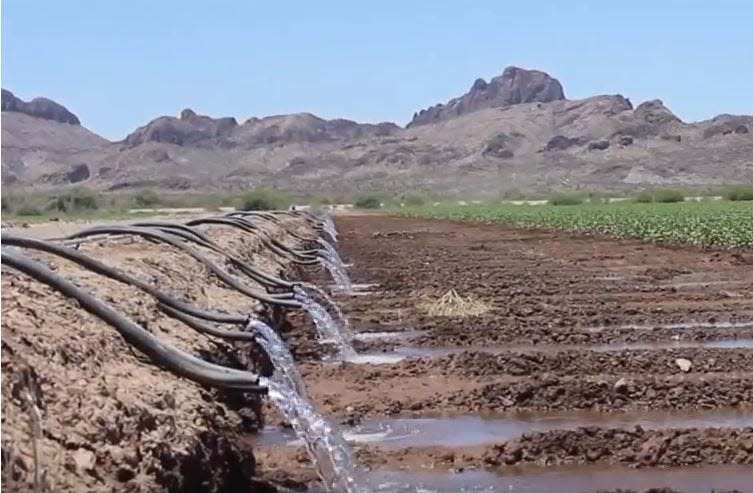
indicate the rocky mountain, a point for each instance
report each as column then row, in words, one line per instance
column 189, row 129
column 43, row 143
column 193, row 129
column 516, row 132
column 514, row 86
column 38, row 107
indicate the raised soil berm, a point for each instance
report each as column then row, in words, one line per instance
column 102, row 417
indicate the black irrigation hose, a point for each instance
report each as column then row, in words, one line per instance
column 265, row 215
column 166, row 238
column 261, row 277
column 301, row 254
column 170, row 225
column 198, row 326
column 165, row 355
column 297, row 236
column 255, row 274
column 249, row 228
column 259, row 233
column 100, row 268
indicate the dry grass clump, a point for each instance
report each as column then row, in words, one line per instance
column 451, row 304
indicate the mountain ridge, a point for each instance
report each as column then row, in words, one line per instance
column 517, row 131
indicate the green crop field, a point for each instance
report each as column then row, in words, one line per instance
column 712, row 223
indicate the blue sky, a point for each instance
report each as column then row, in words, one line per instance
column 118, row 64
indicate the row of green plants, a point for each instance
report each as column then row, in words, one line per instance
column 712, row 223
column 661, row 195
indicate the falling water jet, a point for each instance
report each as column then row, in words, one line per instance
column 325, row 324
column 328, row 247
column 329, row 227
column 285, row 370
column 323, row 296
column 337, row 271
column 325, row 444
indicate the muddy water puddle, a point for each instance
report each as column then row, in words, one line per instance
column 701, row 284
column 357, row 289
column 568, row 480
column 386, row 336
column 407, row 352
column 468, row 431
column 676, row 326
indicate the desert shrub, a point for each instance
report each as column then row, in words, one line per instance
column 26, row 206
column 28, row 209
column 263, row 199
column 667, row 196
column 663, row 196
column 566, row 199
column 739, row 193
column 146, row 198
column 597, row 198
column 74, row 200
column 644, row 197
column 413, row 200
column 23, row 203
column 315, row 200
column 6, row 202
column 368, row 202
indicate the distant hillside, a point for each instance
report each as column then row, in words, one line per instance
column 44, row 143
column 515, row 132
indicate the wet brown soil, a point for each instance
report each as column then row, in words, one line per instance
column 558, row 296
column 637, row 447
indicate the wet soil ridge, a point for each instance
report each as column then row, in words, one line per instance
column 619, row 330
column 638, row 446
column 125, row 359
column 588, row 445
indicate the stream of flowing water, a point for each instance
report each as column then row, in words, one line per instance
column 315, row 290
column 326, row 326
column 329, row 227
column 285, row 370
column 325, row 445
column 328, row 450
column 332, row 251
column 336, row 270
